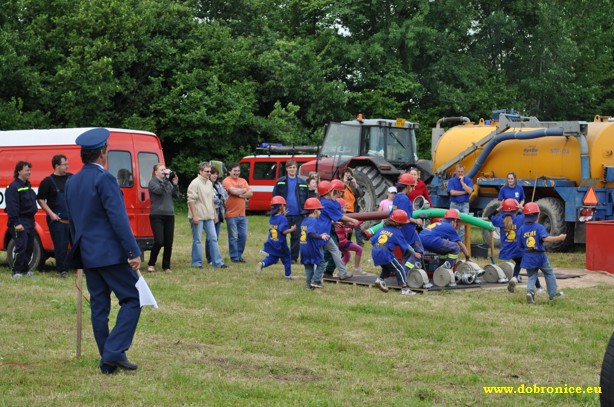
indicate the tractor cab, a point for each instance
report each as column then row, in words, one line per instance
column 378, row 150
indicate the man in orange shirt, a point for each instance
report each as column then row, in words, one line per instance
column 236, row 221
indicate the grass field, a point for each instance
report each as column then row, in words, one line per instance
column 236, row 337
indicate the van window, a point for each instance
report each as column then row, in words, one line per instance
column 146, row 164
column 120, row 165
column 265, row 170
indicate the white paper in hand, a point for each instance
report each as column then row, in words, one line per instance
column 145, row 295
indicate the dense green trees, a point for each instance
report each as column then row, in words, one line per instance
column 213, row 78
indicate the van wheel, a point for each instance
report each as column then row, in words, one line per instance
column 607, row 375
column 489, row 210
column 36, row 261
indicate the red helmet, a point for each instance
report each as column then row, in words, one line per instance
column 452, row 214
column 399, row 216
column 278, row 200
column 531, row 208
column 509, row 205
column 324, row 187
column 338, row 185
column 407, row 179
column 342, row 202
column 313, row 203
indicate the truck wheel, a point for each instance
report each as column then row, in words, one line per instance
column 607, row 375
column 35, row 260
column 374, row 185
column 552, row 217
column 489, row 210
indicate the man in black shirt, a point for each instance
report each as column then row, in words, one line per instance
column 52, row 200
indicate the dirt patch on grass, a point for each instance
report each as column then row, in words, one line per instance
column 585, row 278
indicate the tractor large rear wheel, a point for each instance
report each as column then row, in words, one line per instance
column 552, row 217
column 375, row 186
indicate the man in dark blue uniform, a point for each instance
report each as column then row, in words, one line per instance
column 104, row 246
column 52, row 199
column 21, row 208
column 294, row 190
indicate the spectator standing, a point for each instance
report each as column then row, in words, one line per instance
column 220, row 195
column 460, row 188
column 312, row 186
column 201, row 214
column 52, row 199
column 351, row 193
column 512, row 191
column 531, row 238
column 386, row 204
column 236, row 221
column 104, row 246
column 294, row 190
column 420, row 188
column 21, row 208
column 162, row 190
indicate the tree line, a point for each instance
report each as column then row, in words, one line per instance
column 214, row 78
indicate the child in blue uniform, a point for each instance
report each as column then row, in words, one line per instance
column 276, row 245
column 509, row 223
column 384, row 243
column 331, row 212
column 401, row 201
column 443, row 239
column 312, row 243
column 531, row 238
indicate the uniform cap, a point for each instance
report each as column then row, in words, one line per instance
column 393, row 189
column 93, row 139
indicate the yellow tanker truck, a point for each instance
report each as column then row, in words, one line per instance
column 567, row 168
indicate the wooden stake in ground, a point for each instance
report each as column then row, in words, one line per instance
column 79, row 283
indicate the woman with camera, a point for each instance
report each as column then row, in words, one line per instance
column 163, row 187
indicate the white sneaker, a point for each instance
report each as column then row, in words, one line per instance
column 530, row 298
column 540, row 290
column 16, row 276
column 289, row 277
column 407, row 291
column 381, row 284
column 30, row 274
column 511, row 286
column 345, row 276
column 358, row 272
column 260, row 266
column 557, row 296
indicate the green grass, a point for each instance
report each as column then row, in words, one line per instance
column 236, row 337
